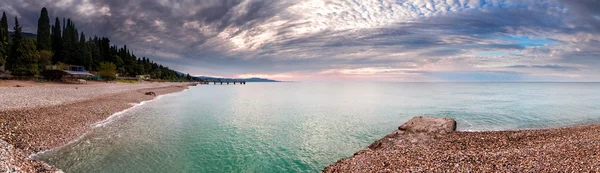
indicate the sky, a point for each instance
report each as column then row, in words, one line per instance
column 347, row 40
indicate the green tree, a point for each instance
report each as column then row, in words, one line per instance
column 85, row 52
column 107, row 70
column 43, row 31
column 56, row 41
column 4, row 43
column 4, row 49
column 16, row 43
column 25, row 58
column 70, row 50
column 95, row 52
column 45, row 59
column 70, row 46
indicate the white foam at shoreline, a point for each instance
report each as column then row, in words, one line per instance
column 102, row 123
column 117, row 114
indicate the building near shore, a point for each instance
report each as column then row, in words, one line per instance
column 66, row 73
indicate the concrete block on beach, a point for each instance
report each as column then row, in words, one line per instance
column 424, row 124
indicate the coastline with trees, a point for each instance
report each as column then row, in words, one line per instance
column 62, row 43
column 49, row 115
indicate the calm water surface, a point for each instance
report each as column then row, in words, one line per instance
column 303, row 127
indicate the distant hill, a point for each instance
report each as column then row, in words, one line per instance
column 255, row 79
column 25, row 34
column 236, row 79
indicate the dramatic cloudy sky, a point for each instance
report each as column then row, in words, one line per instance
column 341, row 40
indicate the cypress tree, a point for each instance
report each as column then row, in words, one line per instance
column 70, row 45
column 64, row 25
column 85, row 52
column 82, row 40
column 43, row 31
column 18, row 34
column 95, row 52
column 66, row 42
column 57, row 41
column 3, row 39
column 16, row 39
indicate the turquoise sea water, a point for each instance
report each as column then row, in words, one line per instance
column 303, row 127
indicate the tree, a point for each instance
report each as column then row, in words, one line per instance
column 25, row 58
column 56, row 41
column 70, row 45
column 45, row 59
column 4, row 49
column 43, row 31
column 64, row 44
column 16, row 42
column 85, row 54
column 107, row 70
column 95, row 52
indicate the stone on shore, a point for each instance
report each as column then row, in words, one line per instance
column 423, row 124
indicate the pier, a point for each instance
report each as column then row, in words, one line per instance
column 223, row 82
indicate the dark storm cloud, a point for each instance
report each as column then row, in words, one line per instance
column 586, row 14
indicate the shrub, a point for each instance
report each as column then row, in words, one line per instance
column 45, row 59
column 108, row 71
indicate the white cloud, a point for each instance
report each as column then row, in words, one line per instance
column 87, row 8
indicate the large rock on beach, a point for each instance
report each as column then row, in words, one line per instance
column 424, row 124
column 424, row 144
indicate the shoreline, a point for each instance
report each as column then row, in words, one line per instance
column 111, row 118
column 565, row 149
column 104, row 122
column 31, row 130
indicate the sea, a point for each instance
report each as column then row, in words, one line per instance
column 304, row 126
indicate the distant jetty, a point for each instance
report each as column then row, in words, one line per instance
column 221, row 82
column 428, row 144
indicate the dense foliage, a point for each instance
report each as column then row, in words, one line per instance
column 58, row 45
column 26, row 58
column 107, row 71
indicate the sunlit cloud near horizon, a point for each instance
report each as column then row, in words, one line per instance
column 347, row 40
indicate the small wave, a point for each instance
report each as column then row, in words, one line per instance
column 118, row 114
column 35, row 155
column 101, row 124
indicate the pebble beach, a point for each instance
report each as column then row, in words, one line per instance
column 571, row 149
column 49, row 95
column 38, row 118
